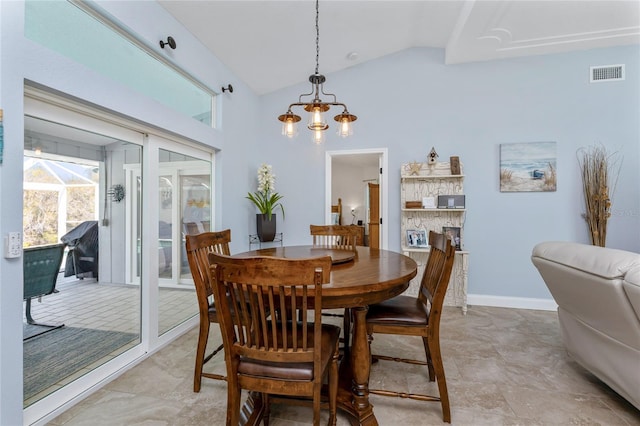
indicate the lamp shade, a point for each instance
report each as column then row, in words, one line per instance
column 289, row 127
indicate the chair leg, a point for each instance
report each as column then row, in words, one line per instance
column 333, row 388
column 346, row 328
column 200, row 351
column 28, row 312
column 30, row 320
column 316, row 407
column 438, row 366
column 233, row 402
column 425, row 342
column 267, row 409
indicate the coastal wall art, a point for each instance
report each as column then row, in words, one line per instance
column 528, row 167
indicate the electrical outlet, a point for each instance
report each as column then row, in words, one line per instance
column 13, row 245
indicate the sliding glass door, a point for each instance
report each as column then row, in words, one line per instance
column 122, row 202
column 184, row 206
column 75, row 193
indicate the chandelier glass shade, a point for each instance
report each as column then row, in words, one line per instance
column 316, row 107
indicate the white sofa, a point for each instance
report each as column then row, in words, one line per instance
column 598, row 295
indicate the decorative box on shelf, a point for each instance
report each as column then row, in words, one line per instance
column 413, row 204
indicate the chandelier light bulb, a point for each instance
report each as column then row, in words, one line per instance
column 289, row 129
column 344, row 128
column 318, row 136
column 316, row 119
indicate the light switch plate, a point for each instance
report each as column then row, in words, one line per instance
column 13, row 245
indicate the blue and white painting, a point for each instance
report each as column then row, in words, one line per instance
column 528, row 167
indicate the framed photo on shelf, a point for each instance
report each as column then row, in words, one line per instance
column 428, row 202
column 417, row 238
column 453, row 233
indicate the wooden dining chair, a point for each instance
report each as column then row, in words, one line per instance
column 275, row 354
column 198, row 248
column 342, row 237
column 411, row 316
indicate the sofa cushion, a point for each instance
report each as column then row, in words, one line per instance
column 600, row 261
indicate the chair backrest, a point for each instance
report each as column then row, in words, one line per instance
column 249, row 291
column 40, row 268
column 198, row 248
column 193, row 228
column 336, row 209
column 437, row 271
column 335, row 236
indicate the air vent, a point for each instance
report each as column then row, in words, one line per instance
column 607, row 73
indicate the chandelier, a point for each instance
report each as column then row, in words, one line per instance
column 316, row 106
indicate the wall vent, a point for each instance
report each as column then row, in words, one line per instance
column 606, row 73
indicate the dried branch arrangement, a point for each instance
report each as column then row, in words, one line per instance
column 600, row 171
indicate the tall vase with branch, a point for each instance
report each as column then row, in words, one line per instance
column 600, row 170
column 266, row 200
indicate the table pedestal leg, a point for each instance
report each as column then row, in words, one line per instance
column 360, row 366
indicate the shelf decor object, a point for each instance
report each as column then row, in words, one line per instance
column 455, row 165
column 434, row 183
column 432, row 158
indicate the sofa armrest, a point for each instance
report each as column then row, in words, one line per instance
column 631, row 286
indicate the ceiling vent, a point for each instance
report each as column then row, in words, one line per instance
column 606, row 73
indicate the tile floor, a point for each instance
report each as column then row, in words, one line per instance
column 503, row 366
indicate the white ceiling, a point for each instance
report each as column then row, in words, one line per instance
column 271, row 44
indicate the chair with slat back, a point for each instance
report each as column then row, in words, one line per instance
column 342, row 237
column 275, row 354
column 411, row 316
column 198, row 248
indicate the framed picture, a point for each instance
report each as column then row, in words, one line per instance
column 417, row 238
column 453, row 233
column 428, row 202
column 528, row 167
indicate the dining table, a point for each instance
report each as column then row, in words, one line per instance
column 358, row 279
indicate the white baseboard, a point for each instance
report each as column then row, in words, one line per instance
column 512, row 302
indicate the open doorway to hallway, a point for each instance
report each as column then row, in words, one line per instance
column 357, row 179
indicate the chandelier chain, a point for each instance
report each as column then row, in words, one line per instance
column 317, row 36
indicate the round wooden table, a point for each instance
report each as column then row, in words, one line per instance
column 370, row 277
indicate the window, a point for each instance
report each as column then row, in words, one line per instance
column 69, row 30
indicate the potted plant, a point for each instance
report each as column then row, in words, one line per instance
column 266, row 200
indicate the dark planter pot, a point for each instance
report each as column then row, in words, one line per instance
column 266, row 228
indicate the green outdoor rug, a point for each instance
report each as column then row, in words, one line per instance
column 50, row 357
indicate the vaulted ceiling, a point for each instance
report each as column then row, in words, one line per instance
column 271, row 44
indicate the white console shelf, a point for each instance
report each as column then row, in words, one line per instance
column 432, row 181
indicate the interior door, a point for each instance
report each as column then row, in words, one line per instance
column 374, row 215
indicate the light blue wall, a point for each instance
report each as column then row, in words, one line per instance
column 410, row 101
column 407, row 102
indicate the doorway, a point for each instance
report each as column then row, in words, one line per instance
column 348, row 175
